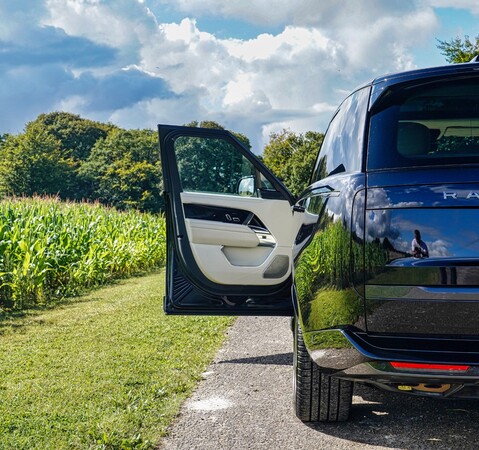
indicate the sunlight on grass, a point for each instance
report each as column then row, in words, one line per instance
column 106, row 372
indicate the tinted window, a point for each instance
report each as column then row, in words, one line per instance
column 212, row 165
column 432, row 124
column 342, row 147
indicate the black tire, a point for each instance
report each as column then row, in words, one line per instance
column 318, row 397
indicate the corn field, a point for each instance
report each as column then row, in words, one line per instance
column 50, row 249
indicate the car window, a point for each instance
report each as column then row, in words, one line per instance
column 213, row 165
column 342, row 148
column 435, row 124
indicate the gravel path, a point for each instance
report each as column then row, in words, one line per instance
column 245, row 402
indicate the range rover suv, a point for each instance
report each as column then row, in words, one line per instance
column 377, row 261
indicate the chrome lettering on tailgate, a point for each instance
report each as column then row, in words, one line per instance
column 455, row 195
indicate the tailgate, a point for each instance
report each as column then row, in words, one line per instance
column 422, row 259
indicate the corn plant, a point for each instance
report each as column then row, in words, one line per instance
column 51, row 249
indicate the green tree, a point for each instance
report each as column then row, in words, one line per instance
column 123, row 170
column 76, row 135
column 291, row 157
column 210, row 165
column 46, row 157
column 459, row 51
column 32, row 163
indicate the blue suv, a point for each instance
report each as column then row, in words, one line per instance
column 377, row 261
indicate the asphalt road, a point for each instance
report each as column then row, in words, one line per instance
column 245, row 402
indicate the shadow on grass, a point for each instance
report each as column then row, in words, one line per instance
column 15, row 319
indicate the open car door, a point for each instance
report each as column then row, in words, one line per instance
column 231, row 227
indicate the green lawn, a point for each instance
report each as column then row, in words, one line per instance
column 108, row 371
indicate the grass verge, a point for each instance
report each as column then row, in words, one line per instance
column 106, row 372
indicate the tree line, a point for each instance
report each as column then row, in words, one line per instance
column 64, row 155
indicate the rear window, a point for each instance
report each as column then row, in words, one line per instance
column 431, row 124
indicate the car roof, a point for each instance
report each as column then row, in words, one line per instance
column 426, row 72
column 382, row 83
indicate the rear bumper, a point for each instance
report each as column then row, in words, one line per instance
column 427, row 383
column 352, row 354
column 341, row 348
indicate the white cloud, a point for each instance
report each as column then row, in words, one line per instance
column 300, row 12
column 386, row 43
column 269, row 80
column 265, row 12
column 116, row 23
column 279, row 80
column 470, row 5
column 290, row 43
column 122, row 24
column 294, row 79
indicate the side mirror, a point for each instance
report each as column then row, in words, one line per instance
column 247, row 186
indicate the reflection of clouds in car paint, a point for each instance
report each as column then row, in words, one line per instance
column 438, row 248
column 431, row 235
column 379, row 220
column 378, row 198
column 357, row 225
column 388, row 221
column 348, row 133
column 447, row 232
column 397, row 227
column 379, row 225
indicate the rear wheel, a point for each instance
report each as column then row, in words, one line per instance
column 318, row 396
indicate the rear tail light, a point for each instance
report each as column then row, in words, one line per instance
column 438, row 367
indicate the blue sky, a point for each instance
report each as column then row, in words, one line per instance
column 254, row 66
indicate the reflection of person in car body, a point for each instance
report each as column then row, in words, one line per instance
column 418, row 246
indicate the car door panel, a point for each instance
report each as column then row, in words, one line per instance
column 228, row 253
column 219, row 233
column 218, row 246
